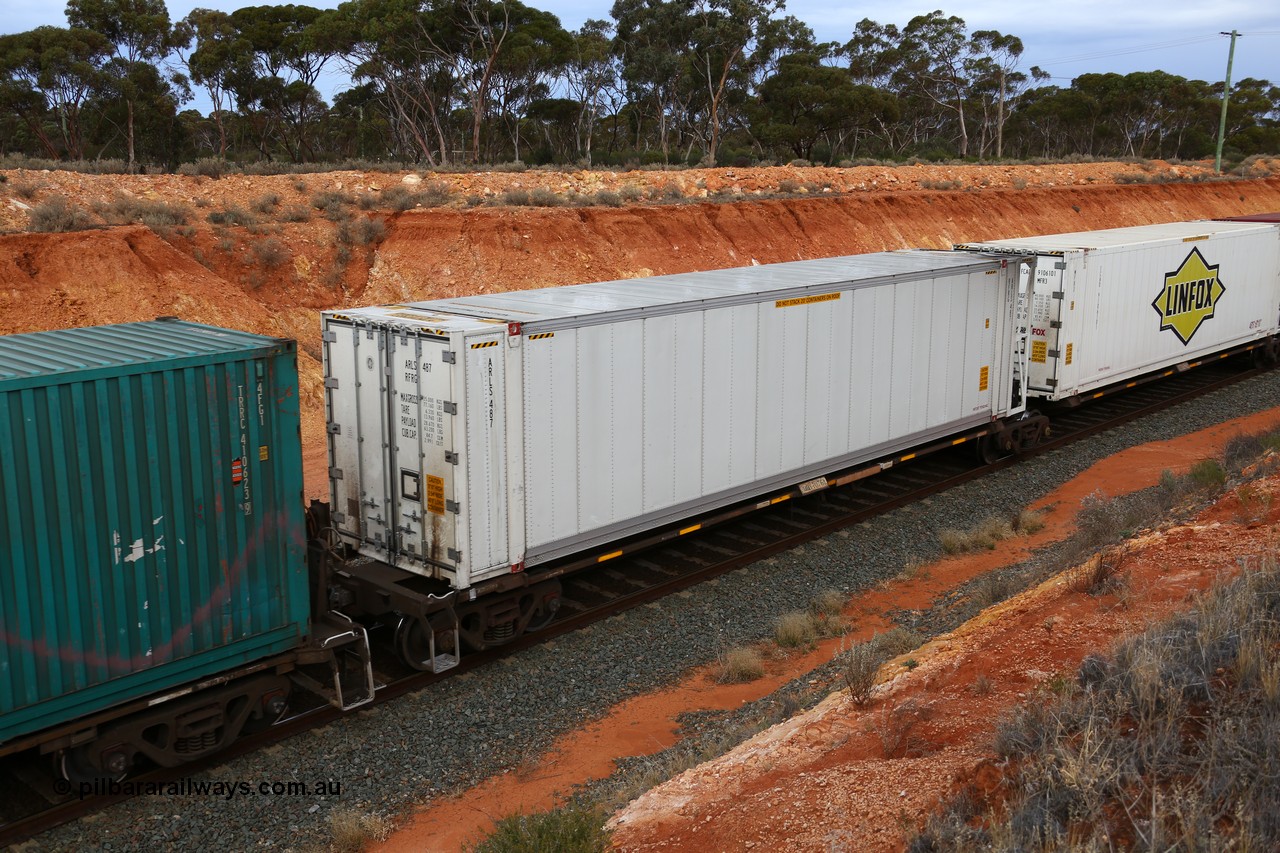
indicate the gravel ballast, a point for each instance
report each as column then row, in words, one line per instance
column 469, row 727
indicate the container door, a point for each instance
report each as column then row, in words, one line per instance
column 422, row 458
column 355, row 378
column 1045, row 319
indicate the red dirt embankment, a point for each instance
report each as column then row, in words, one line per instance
column 448, row 253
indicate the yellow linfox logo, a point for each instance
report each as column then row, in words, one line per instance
column 1190, row 294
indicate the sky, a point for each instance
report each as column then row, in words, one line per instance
column 1066, row 38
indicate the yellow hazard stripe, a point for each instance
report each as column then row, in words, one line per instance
column 608, row 556
column 779, row 500
column 685, row 530
column 907, row 457
column 960, row 440
column 484, row 344
column 542, row 335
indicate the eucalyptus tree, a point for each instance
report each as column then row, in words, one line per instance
column 405, row 48
column 938, row 55
column 997, row 59
column 653, row 46
column 479, row 29
column 219, row 58
column 141, row 35
column 1253, row 115
column 806, row 102
column 724, row 33
column 48, row 73
column 287, row 48
column 534, row 58
column 590, row 74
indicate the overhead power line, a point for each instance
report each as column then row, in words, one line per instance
column 1102, row 54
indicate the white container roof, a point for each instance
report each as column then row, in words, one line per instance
column 1117, row 237
column 646, row 296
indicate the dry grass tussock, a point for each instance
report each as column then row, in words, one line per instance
column 1166, row 743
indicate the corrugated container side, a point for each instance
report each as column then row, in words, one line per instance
column 635, row 423
column 152, row 529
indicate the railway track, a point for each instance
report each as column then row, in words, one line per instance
column 646, row 568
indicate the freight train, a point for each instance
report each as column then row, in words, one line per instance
column 165, row 591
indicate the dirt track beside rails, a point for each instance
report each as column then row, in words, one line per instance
column 272, row 276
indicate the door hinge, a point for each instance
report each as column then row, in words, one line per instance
column 1059, row 265
column 1055, row 324
column 452, row 506
column 454, row 555
column 1052, row 383
column 448, row 357
column 334, row 428
column 450, row 408
column 331, row 382
column 330, row 336
column 1053, row 353
column 335, row 473
column 1059, row 294
column 337, row 518
column 451, row 457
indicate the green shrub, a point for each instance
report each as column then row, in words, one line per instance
column 333, row 205
column 994, row 587
column 1207, row 474
column 859, row 664
column 543, row 197
column 156, row 215
column 26, row 189
column 571, row 829
column 267, row 203
column 295, row 213
column 1241, row 450
column 233, row 215
column 56, row 214
column 270, row 252
column 516, row 198
column 361, row 231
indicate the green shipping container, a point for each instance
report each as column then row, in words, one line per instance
column 152, row 528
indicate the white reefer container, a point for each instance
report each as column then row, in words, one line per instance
column 475, row 436
column 1108, row 306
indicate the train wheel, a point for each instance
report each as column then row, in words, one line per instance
column 76, row 766
column 991, row 449
column 546, row 607
column 413, row 644
column 274, row 707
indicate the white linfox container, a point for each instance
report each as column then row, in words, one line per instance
column 471, row 437
column 1108, row 306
